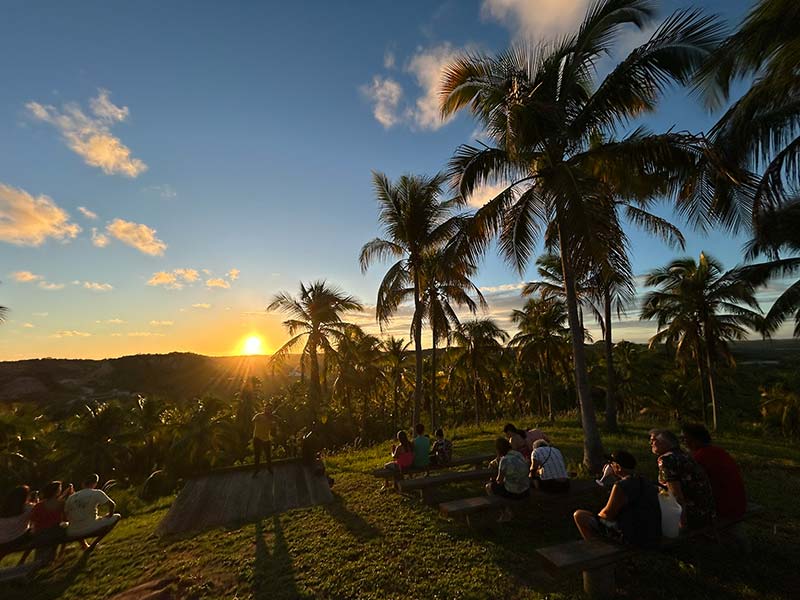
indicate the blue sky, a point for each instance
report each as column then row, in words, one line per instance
column 224, row 150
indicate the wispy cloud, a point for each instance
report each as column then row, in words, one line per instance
column 144, row 334
column 188, row 275
column 385, row 94
column 40, row 314
column 137, row 235
column 174, row 279
column 100, row 240
column 427, row 66
column 162, row 323
column 70, row 333
column 528, row 20
column 165, row 190
column 89, row 135
column 97, row 287
column 28, row 325
column 25, row 276
column 87, row 213
column 111, row 322
column 51, row 287
column 29, row 221
column 201, row 305
column 217, row 283
column 233, row 274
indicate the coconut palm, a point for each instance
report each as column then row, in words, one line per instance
column 316, row 315
column 543, row 338
column 416, row 223
column 543, row 112
column 395, row 359
column 699, row 308
column 481, row 345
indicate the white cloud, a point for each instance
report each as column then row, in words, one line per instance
column 217, row 283
column 188, row 275
column 28, row 325
column 161, row 323
column 29, row 221
column 389, row 60
column 72, row 333
column 98, row 287
column 233, row 274
column 165, row 190
column 144, row 334
column 25, row 276
column 87, row 213
column 50, row 287
column 111, row 321
column 427, row 66
column 90, row 136
column 202, row 305
column 137, row 235
column 99, row 239
column 174, row 279
column 484, row 194
column 385, row 94
column 533, row 20
column 506, row 287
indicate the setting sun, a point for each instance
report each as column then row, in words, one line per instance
column 253, row 345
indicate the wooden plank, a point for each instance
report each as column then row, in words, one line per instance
column 456, row 462
column 300, row 484
column 581, row 555
column 469, row 505
column 444, row 479
column 18, row 572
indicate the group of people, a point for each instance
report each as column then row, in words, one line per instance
column 525, row 459
column 419, row 452
column 28, row 519
column 705, row 482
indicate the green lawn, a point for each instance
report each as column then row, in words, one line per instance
column 370, row 544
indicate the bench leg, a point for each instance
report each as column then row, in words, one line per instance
column 599, row 583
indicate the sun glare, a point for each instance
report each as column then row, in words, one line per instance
column 253, row 345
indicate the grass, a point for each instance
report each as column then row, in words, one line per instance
column 369, row 544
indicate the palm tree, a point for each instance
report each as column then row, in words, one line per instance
column 699, row 308
column 316, row 314
column 395, row 358
column 481, row 342
column 416, row 223
column 543, row 338
column 544, row 115
column 446, row 284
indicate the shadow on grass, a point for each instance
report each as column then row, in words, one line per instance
column 273, row 572
column 355, row 524
column 53, row 587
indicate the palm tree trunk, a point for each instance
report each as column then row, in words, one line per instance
column 417, row 350
column 550, row 377
column 611, row 384
column 702, row 381
column 315, row 391
column 433, row 380
column 592, row 444
column 541, row 391
column 396, row 396
column 710, row 376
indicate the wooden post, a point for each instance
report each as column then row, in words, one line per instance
column 599, row 583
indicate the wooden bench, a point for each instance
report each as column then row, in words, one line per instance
column 470, row 506
column 456, row 462
column 426, row 485
column 595, row 557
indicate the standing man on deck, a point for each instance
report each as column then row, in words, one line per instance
column 262, row 437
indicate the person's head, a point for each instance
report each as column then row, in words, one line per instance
column 91, row 481
column 419, row 429
column 502, row 446
column 510, row 429
column 402, row 437
column 51, row 490
column 440, row 433
column 623, row 463
column 695, row 435
column 662, row 441
column 539, row 444
column 14, row 503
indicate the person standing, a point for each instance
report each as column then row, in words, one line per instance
column 262, row 438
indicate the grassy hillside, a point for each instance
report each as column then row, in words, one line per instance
column 372, row 544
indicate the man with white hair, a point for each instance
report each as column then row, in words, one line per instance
column 548, row 472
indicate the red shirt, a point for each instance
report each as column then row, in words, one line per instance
column 43, row 518
column 726, row 480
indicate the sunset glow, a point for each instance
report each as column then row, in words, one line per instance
column 253, row 345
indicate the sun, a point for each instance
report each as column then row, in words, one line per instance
column 253, row 344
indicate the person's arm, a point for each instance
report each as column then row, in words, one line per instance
column 501, row 472
column 111, row 507
column 535, row 466
column 616, row 501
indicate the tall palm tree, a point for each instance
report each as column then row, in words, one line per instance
column 699, row 308
column 396, row 359
column 446, row 286
column 316, row 315
column 542, row 338
column 544, row 113
column 481, row 343
column 416, row 223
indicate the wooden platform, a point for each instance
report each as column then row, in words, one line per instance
column 426, row 485
column 456, row 462
column 236, row 495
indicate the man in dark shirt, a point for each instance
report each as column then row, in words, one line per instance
column 722, row 471
column 632, row 514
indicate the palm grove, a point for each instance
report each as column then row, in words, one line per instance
column 576, row 174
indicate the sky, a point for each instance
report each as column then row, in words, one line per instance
column 167, row 167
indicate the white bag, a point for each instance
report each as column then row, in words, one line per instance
column 670, row 515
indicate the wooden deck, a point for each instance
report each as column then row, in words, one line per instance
column 235, row 495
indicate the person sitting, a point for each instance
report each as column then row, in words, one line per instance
column 632, row 514
column 442, row 449
column 548, row 472
column 402, row 456
column 15, row 516
column 511, row 480
column 684, row 479
column 522, row 441
column 47, row 516
column 81, row 512
column 422, row 448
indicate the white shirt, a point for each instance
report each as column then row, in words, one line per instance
column 551, row 463
column 81, row 509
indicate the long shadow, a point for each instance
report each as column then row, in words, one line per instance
column 355, row 524
column 273, row 575
column 57, row 586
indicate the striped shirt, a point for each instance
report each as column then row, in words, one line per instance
column 550, row 462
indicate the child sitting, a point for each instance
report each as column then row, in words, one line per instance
column 442, row 451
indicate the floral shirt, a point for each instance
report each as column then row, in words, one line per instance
column 677, row 466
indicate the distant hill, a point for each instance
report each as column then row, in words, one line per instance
column 177, row 375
